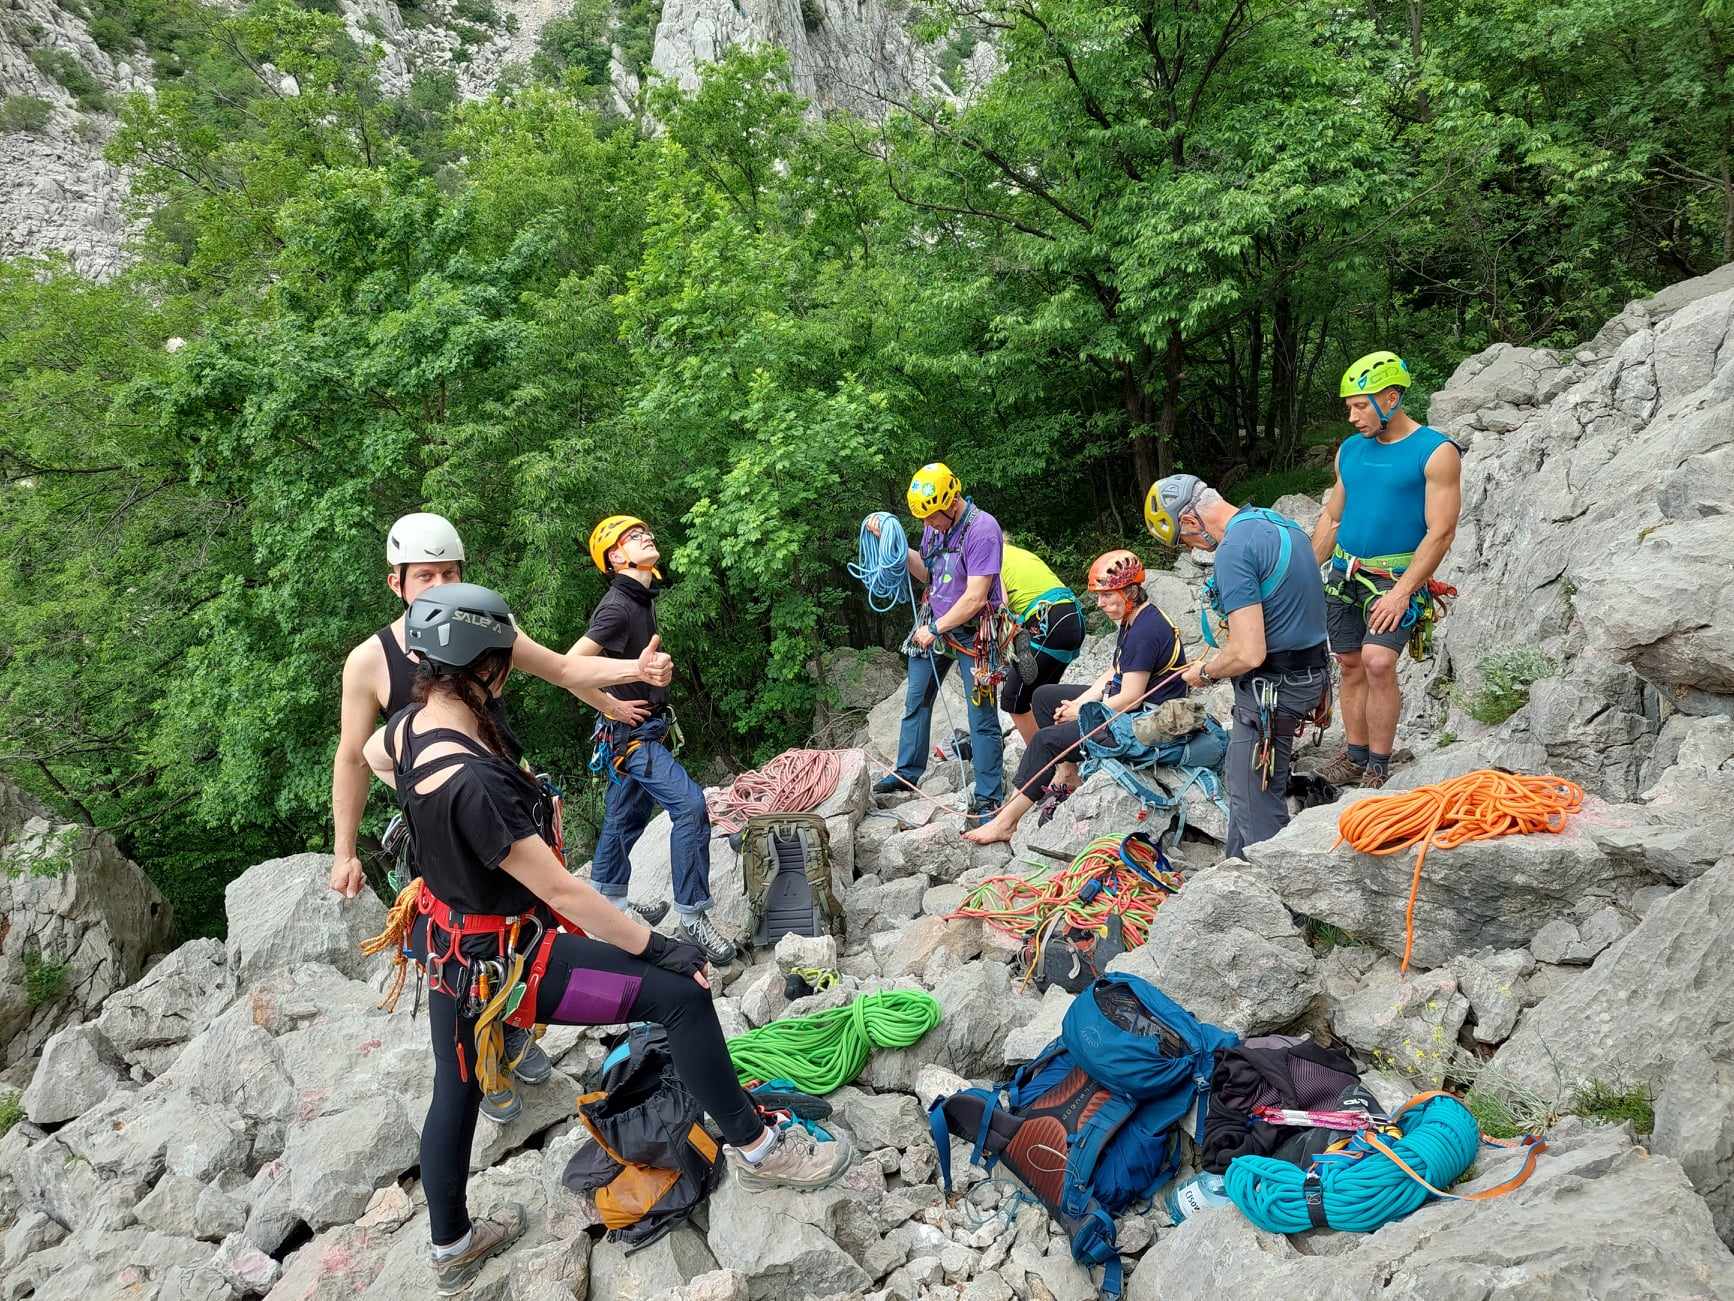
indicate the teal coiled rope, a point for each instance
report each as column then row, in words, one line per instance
column 1439, row 1142
column 825, row 1050
column 882, row 564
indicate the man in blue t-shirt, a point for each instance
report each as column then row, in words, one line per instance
column 1268, row 588
column 959, row 562
column 1387, row 523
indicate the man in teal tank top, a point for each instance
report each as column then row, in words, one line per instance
column 1387, row 523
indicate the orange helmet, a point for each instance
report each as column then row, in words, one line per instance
column 1114, row 570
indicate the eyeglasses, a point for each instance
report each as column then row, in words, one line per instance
column 637, row 535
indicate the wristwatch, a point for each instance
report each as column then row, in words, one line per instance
column 933, row 627
column 1204, row 671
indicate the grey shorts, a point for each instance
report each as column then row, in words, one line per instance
column 1346, row 621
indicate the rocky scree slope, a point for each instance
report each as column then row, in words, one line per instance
column 241, row 1120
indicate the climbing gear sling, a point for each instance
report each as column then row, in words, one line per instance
column 1351, row 582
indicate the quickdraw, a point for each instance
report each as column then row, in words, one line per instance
column 1264, row 751
column 1427, row 605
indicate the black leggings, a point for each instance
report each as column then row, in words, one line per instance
column 587, row 983
column 1065, row 632
column 1051, row 742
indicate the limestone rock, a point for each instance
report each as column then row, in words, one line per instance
column 1647, row 1001
column 1410, row 1025
column 1695, row 1126
column 282, row 913
column 785, row 1242
column 79, row 1068
column 907, row 952
column 1226, row 949
column 148, row 1022
column 1493, row 984
column 663, row 1267
column 880, row 1120
column 1482, row 894
column 1026, row 1042
column 74, row 903
column 1568, row 1232
column 336, row 1162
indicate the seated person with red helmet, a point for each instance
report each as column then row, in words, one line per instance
column 1146, row 650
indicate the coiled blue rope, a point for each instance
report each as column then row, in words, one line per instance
column 881, row 564
column 1439, row 1143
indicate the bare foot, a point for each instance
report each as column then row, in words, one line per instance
column 990, row 833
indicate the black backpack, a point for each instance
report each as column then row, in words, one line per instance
column 651, row 1163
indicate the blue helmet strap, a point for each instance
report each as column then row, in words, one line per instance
column 1384, row 415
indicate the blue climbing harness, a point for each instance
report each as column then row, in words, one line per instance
column 1116, row 750
column 1267, row 587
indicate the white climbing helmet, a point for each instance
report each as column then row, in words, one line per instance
column 421, row 537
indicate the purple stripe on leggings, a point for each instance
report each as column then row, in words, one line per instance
column 596, row 998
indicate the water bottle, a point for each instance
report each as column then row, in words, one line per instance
column 1186, row 1197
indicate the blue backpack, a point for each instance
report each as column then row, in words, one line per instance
column 1091, row 1125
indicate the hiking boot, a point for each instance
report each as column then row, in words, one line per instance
column 1373, row 778
column 488, row 1238
column 503, row 1107
column 797, row 1161
column 889, row 786
column 648, row 913
column 702, row 932
column 1342, row 770
column 525, row 1058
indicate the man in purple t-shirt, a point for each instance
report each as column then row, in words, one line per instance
column 959, row 561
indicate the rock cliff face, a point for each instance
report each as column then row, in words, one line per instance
column 855, row 54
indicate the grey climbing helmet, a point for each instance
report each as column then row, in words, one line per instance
column 455, row 623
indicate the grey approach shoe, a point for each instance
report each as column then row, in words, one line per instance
column 798, row 1161
column 488, row 1239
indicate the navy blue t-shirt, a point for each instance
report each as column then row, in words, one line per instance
column 1148, row 645
column 1294, row 615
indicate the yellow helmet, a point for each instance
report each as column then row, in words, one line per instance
column 933, row 488
column 1166, row 501
column 606, row 536
column 1374, row 373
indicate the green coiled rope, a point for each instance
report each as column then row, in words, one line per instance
column 825, row 1050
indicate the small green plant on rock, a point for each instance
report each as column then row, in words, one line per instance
column 1614, row 1104
column 1506, row 677
column 11, row 1111
column 44, row 981
column 29, row 113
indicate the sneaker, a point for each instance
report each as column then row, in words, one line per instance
column 1024, row 653
column 889, row 786
column 488, row 1238
column 528, row 1063
column 797, row 1161
column 648, row 913
column 702, row 932
column 1342, row 770
column 1373, row 778
column 502, row 1107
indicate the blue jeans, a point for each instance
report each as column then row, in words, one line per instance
column 650, row 776
column 926, row 673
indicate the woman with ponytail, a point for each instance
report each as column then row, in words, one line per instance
column 483, row 839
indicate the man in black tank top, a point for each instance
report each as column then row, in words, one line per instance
column 423, row 551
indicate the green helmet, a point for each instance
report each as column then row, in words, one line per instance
column 1374, row 373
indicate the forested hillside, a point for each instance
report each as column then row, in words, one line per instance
column 1151, row 242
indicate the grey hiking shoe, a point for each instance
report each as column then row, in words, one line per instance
column 1342, row 770
column 797, row 1161
column 525, row 1058
column 703, row 932
column 648, row 913
column 488, row 1238
column 503, row 1107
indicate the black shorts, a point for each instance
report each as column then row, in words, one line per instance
column 1065, row 632
column 1346, row 620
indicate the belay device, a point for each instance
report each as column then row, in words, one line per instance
column 786, row 872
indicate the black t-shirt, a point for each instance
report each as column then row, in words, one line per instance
column 1146, row 645
column 622, row 624
column 464, row 829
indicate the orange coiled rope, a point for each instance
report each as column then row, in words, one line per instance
column 794, row 782
column 1478, row 805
